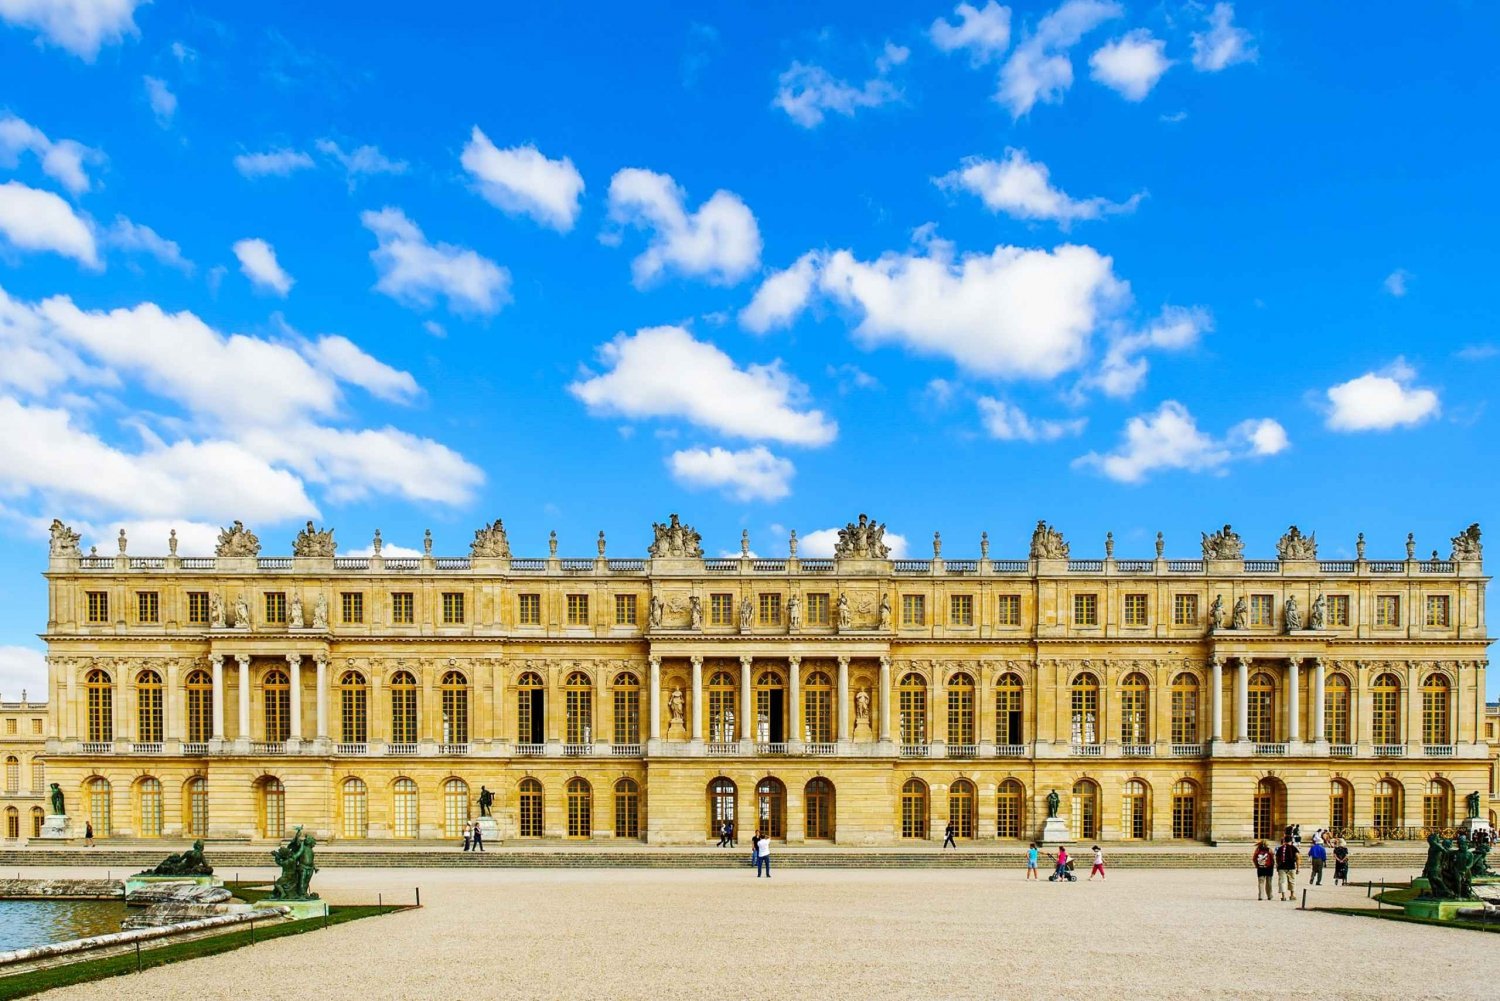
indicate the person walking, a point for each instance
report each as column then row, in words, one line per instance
column 1341, row 863
column 724, row 835
column 1061, row 872
column 468, row 836
column 1031, row 860
column 729, row 830
column 88, row 834
column 764, row 858
column 1288, row 860
column 1265, row 870
column 1098, row 869
column 755, row 851
column 1317, row 855
column 948, row 837
column 478, row 838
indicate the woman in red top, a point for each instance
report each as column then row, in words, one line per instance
column 1265, row 870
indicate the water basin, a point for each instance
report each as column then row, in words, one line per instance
column 27, row 923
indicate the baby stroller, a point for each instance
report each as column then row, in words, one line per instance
column 1064, row 871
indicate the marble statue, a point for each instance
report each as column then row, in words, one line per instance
column 1466, row 545
column 312, row 542
column 844, row 617
column 56, row 795
column 188, row 863
column 64, row 539
column 1161, row 545
column 486, row 801
column 1292, row 615
column 674, row 539
column 1216, row 614
column 1047, row 543
column 1295, row 546
column 320, row 612
column 295, row 859
column 172, row 543
column 1411, row 545
column 601, row 543
column 123, row 542
column 1317, row 614
column 215, row 610
column 794, row 612
column 552, row 544
column 885, row 612
column 791, row 544
column 937, row 545
column 744, row 543
column 1224, row 544
column 427, row 542
column 490, row 541
column 656, row 612
column 747, row 614
column 376, row 544
column 1053, row 800
column 241, row 612
column 695, row 612
column 862, row 706
column 984, row 545
column 1109, row 545
column 237, row 541
column 674, row 706
column 294, row 615
column 1241, row 614
column 862, row 540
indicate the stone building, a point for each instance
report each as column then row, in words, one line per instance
column 859, row 699
column 23, row 737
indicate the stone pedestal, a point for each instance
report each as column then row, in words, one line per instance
column 489, row 829
column 297, row 910
column 677, row 731
column 55, row 827
column 1055, row 832
column 141, row 881
column 862, row 732
column 1475, row 824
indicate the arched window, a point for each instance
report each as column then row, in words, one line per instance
column 818, row 816
column 455, row 689
column 354, row 708
column 404, row 808
column 531, row 709
column 770, row 808
column 961, row 710
column 580, row 809
column 1385, row 710
column 277, row 691
column 1009, row 729
column 1269, row 809
column 455, row 807
column 1437, row 805
column 1435, row 711
column 1085, row 817
column 579, row 693
column 356, row 803
column 1185, row 809
column 200, row 706
column 403, row 708
column 1336, row 710
column 914, row 809
column 1340, row 806
column 101, row 708
column 721, row 802
column 770, row 708
column 912, row 698
column 627, row 709
column 722, row 728
column 1134, row 715
column 37, row 819
column 817, row 709
column 197, row 807
column 961, row 808
column 38, row 775
column 1388, row 809
column 99, row 814
column 148, row 799
column 12, row 774
column 1135, row 811
column 1185, row 709
column 272, row 807
column 12, row 823
column 1010, row 814
column 1085, row 700
column 148, row 709
column 531, row 808
column 1260, row 708
column 627, row 809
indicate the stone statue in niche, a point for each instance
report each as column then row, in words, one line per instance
column 241, row 612
column 844, row 614
column 215, row 610
column 794, row 612
column 885, row 612
column 675, row 706
column 747, row 614
column 1224, row 544
column 656, row 612
column 1316, row 614
column 1216, row 614
column 862, row 707
column 64, row 539
column 1241, row 614
column 1292, row 615
column 320, row 612
column 695, row 612
column 294, row 615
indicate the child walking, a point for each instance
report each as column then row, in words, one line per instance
column 1098, row 869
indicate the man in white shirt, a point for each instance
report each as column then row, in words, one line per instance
column 763, row 858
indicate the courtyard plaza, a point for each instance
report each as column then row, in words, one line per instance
column 911, row 933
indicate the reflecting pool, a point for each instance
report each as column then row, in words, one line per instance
column 25, row 923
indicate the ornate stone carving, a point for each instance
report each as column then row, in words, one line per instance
column 744, row 543
column 656, row 611
column 862, row 707
column 1317, row 614
column 237, row 540
column 1296, row 546
column 601, row 543
column 1161, row 545
column 1216, row 614
column 885, row 613
column 675, row 706
column 294, row 617
column 241, row 612
column 64, row 539
column 695, row 612
column 552, row 544
column 1466, row 545
column 1224, row 544
column 1291, row 616
column 123, row 542
column 1047, row 543
column 215, row 611
column 984, row 545
column 376, row 544
column 490, row 541
column 1411, row 545
column 314, row 542
column 1359, row 546
column 320, row 612
column 791, row 544
column 794, row 613
column 1241, row 615
column 747, row 614
column 937, row 545
column 427, row 542
column 862, row 540
column 172, row 543
column 675, row 539
column 845, row 618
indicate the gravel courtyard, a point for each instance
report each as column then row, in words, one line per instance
column 610, row 934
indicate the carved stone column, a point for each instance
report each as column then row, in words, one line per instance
column 1318, row 721
column 243, row 660
column 696, row 736
column 1217, row 733
column 294, row 676
column 1294, row 701
column 1242, row 701
column 322, row 731
column 217, row 663
column 885, row 700
column 794, row 701
column 747, row 704
column 653, row 709
column 843, row 709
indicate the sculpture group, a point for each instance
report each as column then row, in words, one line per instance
column 188, row 863
column 296, row 861
column 1452, row 865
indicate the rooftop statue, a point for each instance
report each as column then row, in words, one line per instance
column 189, row 863
column 237, row 540
column 675, row 539
column 314, row 542
column 1296, row 546
column 1047, row 543
column 490, row 541
column 1466, row 545
column 862, row 540
column 64, row 539
column 1223, row 545
column 297, row 867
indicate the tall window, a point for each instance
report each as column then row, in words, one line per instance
column 627, row 715
column 12, row 774
column 818, row 816
column 579, row 692
column 100, row 697
column 1437, row 805
column 770, row 608
column 961, row 709
column 1010, row 817
column 1185, row 709
column 961, row 808
column 578, row 609
column 38, row 775
column 403, row 608
column 197, row 802
column 12, row 823
column 1184, row 609
column 1135, row 811
column 1009, row 611
column 147, row 607
column 1134, row 715
column 1340, row 805
column 817, row 709
column 627, row 809
column 912, row 701
column 1084, row 820
column 1135, row 610
column 721, row 803
column 455, row 807
column 1009, row 722
column 529, row 609
column 960, row 609
column 148, row 707
column 1085, row 715
column 580, row 809
column 1268, row 810
column 455, row 688
column 770, row 808
column 817, row 610
column 722, row 724
column 404, row 813
column 770, row 693
column 1388, row 610
column 453, row 608
column 531, row 808
column 721, row 609
column 98, row 606
column 914, row 609
column 1386, row 710
column 914, row 809
column 37, row 817
column 1435, row 729
column 272, row 807
column 1437, row 611
column 1262, row 612
column 1387, row 804
column 277, row 693
column 624, row 609
column 403, row 708
column 531, row 718
column 98, row 791
column 276, row 608
column 356, row 805
column 354, row 708
column 1085, row 609
column 1185, row 810
column 1338, row 610
column 1336, row 710
column 1261, row 708
column 200, row 706
column 197, row 608
column 352, row 604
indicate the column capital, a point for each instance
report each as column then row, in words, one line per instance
column 655, row 661
column 1293, row 661
column 885, row 662
column 795, row 660
column 321, row 660
column 216, row 660
column 243, row 659
column 294, row 659
column 843, row 660
column 746, row 659
column 696, row 660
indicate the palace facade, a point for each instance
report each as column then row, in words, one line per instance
column 862, row 700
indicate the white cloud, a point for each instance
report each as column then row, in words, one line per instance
column 1381, row 401
column 1169, row 439
column 63, row 160
column 23, row 669
column 664, row 372
column 388, row 550
column 31, row 219
column 1040, row 69
column 984, row 32
column 131, row 236
column 149, row 535
column 720, row 242
column 1131, row 65
column 415, row 272
column 1008, row 422
column 520, row 180
column 807, row 92
column 353, row 464
column 1022, row 188
column 163, row 101
column 80, row 26
column 819, row 544
column 348, row 363
column 852, row 377
column 272, row 163
column 782, row 296
column 1222, row 45
column 746, row 475
column 363, row 161
column 258, row 262
column 1395, row 282
column 1123, row 371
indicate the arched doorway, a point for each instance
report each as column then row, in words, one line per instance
column 580, row 808
column 1084, row 820
column 770, row 808
column 914, row 809
column 455, row 807
column 1010, row 816
column 627, row 809
column 1135, row 811
column 1340, row 806
column 404, row 808
column 1269, row 809
column 272, row 802
column 1185, row 810
column 722, row 794
column 355, row 800
column 531, row 808
column 961, row 808
column 818, row 823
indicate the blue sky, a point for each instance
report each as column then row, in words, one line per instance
column 1128, row 268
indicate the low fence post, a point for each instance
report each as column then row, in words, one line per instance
column 138, row 955
column 419, row 896
column 1304, row 898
